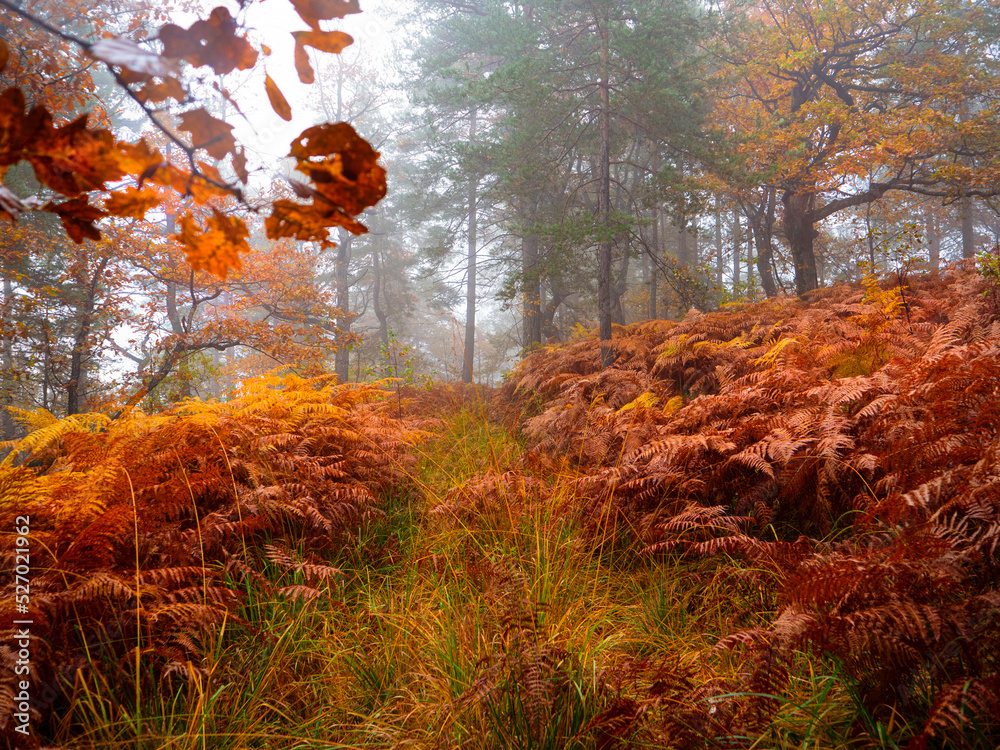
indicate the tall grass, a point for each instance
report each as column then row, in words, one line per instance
column 470, row 613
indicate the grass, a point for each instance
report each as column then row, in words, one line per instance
column 460, row 620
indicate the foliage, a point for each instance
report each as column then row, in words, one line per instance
column 89, row 175
column 146, row 531
column 847, row 455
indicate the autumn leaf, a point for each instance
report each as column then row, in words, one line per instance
column 302, row 66
column 240, row 165
column 217, row 247
column 72, row 159
column 170, row 88
column 209, row 133
column 213, row 42
column 4, row 54
column 314, row 11
column 16, row 127
column 278, row 102
column 325, row 41
column 78, row 218
column 341, row 164
column 126, row 53
column 131, row 203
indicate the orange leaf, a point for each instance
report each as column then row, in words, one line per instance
column 302, row 65
column 278, row 102
column 325, row 41
column 209, row 133
column 314, row 11
column 131, row 202
column 217, row 247
column 72, row 159
column 4, row 54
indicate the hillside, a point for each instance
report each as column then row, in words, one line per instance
column 770, row 526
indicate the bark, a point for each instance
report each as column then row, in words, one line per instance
column 604, row 209
column 968, row 231
column 77, row 362
column 737, row 246
column 654, row 258
column 532, row 291
column 800, row 231
column 470, row 295
column 342, row 357
column 380, row 314
column 933, row 239
column 762, row 228
column 7, row 364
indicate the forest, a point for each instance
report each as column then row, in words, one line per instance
column 463, row 373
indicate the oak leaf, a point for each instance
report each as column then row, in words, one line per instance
column 314, row 11
column 72, row 159
column 208, row 132
column 78, row 218
column 217, row 248
column 131, row 203
column 342, row 165
column 211, row 42
column 325, row 41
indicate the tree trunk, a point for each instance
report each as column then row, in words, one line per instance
column 719, row 262
column 654, row 262
column 383, row 319
column 470, row 296
column 604, row 208
column 532, row 291
column 7, row 427
column 77, row 362
column 933, row 239
column 342, row 357
column 762, row 227
column 801, row 233
column 968, row 230
column 737, row 246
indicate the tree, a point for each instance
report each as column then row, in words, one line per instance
column 833, row 105
column 93, row 180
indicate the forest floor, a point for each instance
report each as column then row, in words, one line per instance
column 775, row 526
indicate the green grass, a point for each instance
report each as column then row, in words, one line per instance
column 489, row 627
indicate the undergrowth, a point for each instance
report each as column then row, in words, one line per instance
column 770, row 527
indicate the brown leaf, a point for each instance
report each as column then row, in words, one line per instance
column 171, row 88
column 240, row 165
column 278, row 102
column 131, row 203
column 16, row 127
column 342, row 165
column 211, row 42
column 302, row 66
column 73, row 159
column 209, row 133
column 314, row 11
column 325, row 41
column 4, row 54
column 126, row 53
column 78, row 217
